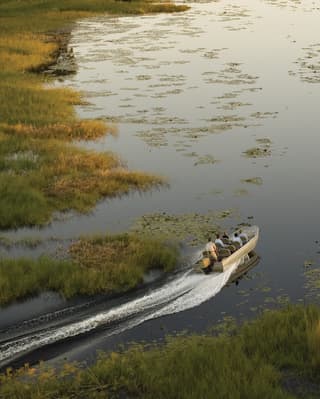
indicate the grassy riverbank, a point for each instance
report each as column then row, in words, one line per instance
column 39, row 171
column 275, row 356
column 103, row 264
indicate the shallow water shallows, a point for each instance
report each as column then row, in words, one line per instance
column 191, row 94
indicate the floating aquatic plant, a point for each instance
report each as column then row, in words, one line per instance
column 253, row 180
column 193, row 228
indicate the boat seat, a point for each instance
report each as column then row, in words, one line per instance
column 224, row 253
column 232, row 248
column 236, row 244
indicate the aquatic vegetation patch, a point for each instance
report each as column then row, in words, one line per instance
column 262, row 151
column 264, row 141
column 311, row 272
column 206, row 160
column 253, row 180
column 263, row 115
column 101, row 264
column 226, row 119
column 165, row 127
column 308, row 66
column 257, row 152
column 224, row 77
column 193, row 228
column 232, row 105
column 285, row 3
column 248, row 361
column 308, row 263
column 212, row 55
column 155, row 137
column 234, row 13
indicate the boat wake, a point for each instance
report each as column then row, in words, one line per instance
column 184, row 291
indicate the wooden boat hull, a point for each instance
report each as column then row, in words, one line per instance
column 244, row 268
column 237, row 256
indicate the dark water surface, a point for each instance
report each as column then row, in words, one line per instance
column 190, row 93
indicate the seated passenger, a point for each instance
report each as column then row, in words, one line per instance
column 237, row 239
column 219, row 242
column 225, row 238
column 243, row 236
column 212, row 249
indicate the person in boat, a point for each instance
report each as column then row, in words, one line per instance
column 243, row 236
column 226, row 239
column 219, row 242
column 225, row 247
column 237, row 239
column 212, row 249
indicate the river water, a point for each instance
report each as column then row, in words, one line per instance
column 190, row 93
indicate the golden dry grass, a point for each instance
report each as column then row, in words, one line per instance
column 25, row 51
column 77, row 130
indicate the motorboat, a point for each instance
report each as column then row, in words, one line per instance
column 232, row 254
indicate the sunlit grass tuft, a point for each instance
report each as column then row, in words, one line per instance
column 78, row 130
column 24, row 101
column 25, row 51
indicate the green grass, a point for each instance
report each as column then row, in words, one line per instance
column 25, row 101
column 39, row 177
column 32, row 7
column 104, row 264
column 248, row 363
column 35, row 177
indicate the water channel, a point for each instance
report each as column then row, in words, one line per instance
column 190, row 93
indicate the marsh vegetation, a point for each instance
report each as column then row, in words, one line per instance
column 39, row 171
column 237, row 118
column 97, row 265
column 255, row 360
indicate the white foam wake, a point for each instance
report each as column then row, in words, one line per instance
column 186, row 291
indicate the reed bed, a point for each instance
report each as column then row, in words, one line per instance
column 104, row 264
column 249, row 362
